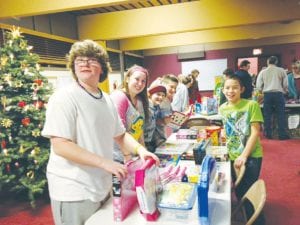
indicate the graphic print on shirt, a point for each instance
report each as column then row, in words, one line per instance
column 237, row 131
column 136, row 129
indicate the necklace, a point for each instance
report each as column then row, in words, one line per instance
column 95, row 97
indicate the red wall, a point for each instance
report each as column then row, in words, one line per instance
column 163, row 64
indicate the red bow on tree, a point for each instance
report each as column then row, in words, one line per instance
column 26, row 121
column 21, row 104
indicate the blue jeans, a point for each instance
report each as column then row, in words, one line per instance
column 274, row 103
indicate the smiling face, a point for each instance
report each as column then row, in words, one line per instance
column 232, row 90
column 171, row 89
column 157, row 98
column 136, row 82
column 87, row 69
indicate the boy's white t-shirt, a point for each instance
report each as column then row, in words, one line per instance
column 90, row 123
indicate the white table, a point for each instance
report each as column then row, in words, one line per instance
column 219, row 203
column 219, row 209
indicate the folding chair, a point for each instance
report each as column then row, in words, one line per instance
column 256, row 195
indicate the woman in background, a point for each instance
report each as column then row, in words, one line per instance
column 132, row 104
column 180, row 101
column 294, row 81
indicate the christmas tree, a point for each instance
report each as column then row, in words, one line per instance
column 24, row 92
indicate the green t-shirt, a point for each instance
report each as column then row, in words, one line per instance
column 237, row 121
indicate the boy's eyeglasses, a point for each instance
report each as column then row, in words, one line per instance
column 90, row 61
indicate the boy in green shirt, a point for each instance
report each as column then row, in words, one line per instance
column 242, row 119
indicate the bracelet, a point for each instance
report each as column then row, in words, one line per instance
column 136, row 148
column 128, row 154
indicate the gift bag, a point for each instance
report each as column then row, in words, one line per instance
column 124, row 194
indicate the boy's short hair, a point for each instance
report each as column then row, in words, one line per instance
column 235, row 77
column 166, row 79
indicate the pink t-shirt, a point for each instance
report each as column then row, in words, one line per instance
column 132, row 118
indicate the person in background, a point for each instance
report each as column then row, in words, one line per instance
column 245, row 78
column 294, row 81
column 82, row 124
column 132, row 104
column 170, row 82
column 194, row 94
column 157, row 94
column 272, row 82
column 242, row 119
column 180, row 101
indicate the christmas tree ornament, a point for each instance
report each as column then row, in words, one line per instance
column 26, row 121
column 38, row 104
column 3, row 144
column 24, row 65
column 7, row 78
column 39, row 82
column 22, row 104
column 21, row 149
column 18, row 84
column 23, row 44
column 6, row 123
column 15, row 32
column 36, row 133
column 37, row 66
column 3, row 101
column 5, row 152
column 30, row 174
column 17, row 165
column 32, row 152
column 3, row 60
column 37, row 150
column 11, row 56
column 29, row 48
column 35, row 86
column 26, row 107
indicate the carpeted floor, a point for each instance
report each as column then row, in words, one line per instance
column 281, row 172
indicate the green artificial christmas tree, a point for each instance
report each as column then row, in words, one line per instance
column 24, row 92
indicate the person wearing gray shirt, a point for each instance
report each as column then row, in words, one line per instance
column 272, row 81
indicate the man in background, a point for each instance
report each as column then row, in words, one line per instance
column 272, row 81
column 245, row 78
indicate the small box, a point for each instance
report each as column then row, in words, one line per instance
column 209, row 106
column 187, row 134
column 177, row 200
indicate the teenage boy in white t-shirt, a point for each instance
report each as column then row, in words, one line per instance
column 82, row 124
